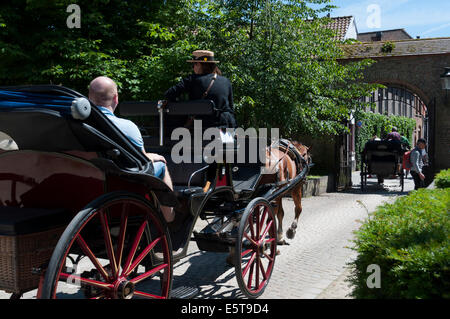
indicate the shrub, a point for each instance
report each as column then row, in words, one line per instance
column 388, row 47
column 442, row 179
column 410, row 241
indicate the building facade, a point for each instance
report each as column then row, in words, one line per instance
column 409, row 69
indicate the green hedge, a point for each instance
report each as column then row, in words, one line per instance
column 442, row 179
column 380, row 125
column 410, row 241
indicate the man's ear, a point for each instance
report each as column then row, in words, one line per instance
column 115, row 101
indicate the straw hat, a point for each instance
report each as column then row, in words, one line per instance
column 203, row 56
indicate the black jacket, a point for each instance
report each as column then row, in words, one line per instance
column 221, row 93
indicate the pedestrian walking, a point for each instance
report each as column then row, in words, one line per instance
column 418, row 154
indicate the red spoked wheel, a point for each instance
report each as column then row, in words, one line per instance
column 256, row 248
column 107, row 252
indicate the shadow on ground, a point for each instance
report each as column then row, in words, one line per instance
column 209, row 272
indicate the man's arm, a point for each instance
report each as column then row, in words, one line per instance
column 154, row 157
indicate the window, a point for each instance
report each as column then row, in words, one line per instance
column 395, row 101
column 386, row 106
column 380, row 101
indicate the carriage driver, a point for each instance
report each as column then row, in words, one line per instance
column 207, row 82
column 103, row 93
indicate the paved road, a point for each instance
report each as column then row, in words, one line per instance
column 313, row 265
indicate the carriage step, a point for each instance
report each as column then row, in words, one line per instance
column 184, row 292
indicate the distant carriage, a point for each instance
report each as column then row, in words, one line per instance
column 383, row 159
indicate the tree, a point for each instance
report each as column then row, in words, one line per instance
column 129, row 41
column 283, row 63
column 279, row 55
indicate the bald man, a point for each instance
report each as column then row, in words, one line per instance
column 103, row 93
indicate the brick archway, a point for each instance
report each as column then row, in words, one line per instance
column 416, row 65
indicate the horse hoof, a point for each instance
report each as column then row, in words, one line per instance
column 290, row 233
column 282, row 242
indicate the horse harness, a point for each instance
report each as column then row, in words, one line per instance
column 288, row 148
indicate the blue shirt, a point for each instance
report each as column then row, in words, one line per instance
column 128, row 128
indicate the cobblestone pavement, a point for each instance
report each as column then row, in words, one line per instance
column 313, row 265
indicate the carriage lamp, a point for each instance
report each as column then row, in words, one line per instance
column 445, row 79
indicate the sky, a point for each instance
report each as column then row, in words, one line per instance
column 424, row 18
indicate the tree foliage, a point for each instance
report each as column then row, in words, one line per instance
column 130, row 41
column 281, row 59
column 442, row 179
column 283, row 63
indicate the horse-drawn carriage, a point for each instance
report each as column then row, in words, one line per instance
column 80, row 209
column 383, row 159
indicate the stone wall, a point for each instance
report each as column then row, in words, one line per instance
column 316, row 186
column 323, row 153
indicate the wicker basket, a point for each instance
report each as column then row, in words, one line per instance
column 20, row 254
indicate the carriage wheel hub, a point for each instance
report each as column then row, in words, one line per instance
column 124, row 289
column 262, row 247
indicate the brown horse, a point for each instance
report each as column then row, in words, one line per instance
column 278, row 158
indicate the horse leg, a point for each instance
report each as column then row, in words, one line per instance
column 297, row 197
column 280, row 215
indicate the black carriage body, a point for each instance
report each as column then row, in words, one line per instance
column 204, row 190
column 60, row 166
column 95, row 140
column 219, row 192
column 382, row 158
